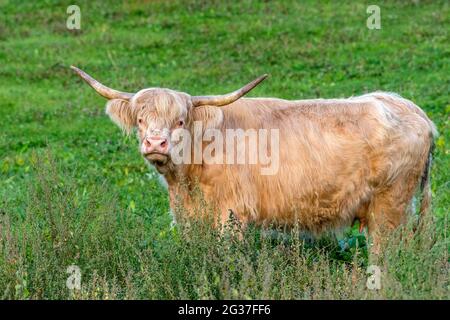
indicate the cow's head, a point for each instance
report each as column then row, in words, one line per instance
column 158, row 112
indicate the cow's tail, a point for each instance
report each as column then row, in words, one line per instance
column 425, row 185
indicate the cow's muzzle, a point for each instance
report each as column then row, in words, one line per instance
column 157, row 158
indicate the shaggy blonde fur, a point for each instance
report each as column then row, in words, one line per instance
column 340, row 159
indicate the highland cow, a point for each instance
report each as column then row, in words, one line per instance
column 339, row 159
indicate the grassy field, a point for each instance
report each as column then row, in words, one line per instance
column 75, row 191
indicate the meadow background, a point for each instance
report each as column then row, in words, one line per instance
column 74, row 190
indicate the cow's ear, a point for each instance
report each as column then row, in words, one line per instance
column 121, row 113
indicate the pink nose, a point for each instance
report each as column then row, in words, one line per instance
column 154, row 144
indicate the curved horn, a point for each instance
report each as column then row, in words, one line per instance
column 101, row 89
column 226, row 98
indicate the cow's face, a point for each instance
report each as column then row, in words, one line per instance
column 157, row 114
column 160, row 114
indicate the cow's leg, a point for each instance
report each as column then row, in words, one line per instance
column 361, row 215
column 381, row 218
column 389, row 209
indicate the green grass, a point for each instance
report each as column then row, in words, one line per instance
column 74, row 190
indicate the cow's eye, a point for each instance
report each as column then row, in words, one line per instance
column 140, row 120
column 180, row 123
